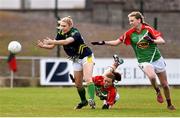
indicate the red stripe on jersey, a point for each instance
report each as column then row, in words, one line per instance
column 154, row 33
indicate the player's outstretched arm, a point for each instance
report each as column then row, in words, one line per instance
column 111, row 43
column 59, row 42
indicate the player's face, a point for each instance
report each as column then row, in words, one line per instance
column 134, row 22
column 64, row 27
column 107, row 81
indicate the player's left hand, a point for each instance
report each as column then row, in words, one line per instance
column 149, row 39
column 40, row 43
column 47, row 41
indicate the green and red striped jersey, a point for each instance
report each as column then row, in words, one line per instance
column 144, row 50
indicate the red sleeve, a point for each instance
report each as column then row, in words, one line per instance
column 111, row 95
column 98, row 80
column 125, row 38
column 154, row 33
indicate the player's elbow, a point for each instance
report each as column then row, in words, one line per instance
column 161, row 40
column 164, row 41
column 65, row 43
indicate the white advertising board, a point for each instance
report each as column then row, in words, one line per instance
column 10, row 4
column 131, row 73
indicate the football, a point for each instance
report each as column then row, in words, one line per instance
column 14, row 47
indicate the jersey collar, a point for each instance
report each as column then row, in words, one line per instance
column 142, row 27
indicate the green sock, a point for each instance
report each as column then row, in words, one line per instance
column 82, row 94
column 91, row 90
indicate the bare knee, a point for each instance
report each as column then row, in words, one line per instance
column 78, row 85
column 153, row 80
column 152, row 77
column 165, row 86
column 89, row 80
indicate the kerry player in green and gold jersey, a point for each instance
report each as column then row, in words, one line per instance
column 81, row 55
column 144, row 40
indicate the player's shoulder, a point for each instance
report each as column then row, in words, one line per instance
column 148, row 27
column 152, row 30
column 97, row 80
column 130, row 31
column 98, row 77
column 74, row 31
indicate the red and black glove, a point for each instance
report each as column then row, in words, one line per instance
column 149, row 39
column 98, row 43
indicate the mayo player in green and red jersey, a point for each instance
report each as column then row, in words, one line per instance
column 81, row 55
column 144, row 40
column 104, row 84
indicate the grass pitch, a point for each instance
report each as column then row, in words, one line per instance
column 60, row 101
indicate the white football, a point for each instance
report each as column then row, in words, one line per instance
column 14, row 47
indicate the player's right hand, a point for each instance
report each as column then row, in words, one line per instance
column 98, row 43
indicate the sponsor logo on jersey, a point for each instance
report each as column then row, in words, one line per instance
column 142, row 45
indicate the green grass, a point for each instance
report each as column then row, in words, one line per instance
column 59, row 101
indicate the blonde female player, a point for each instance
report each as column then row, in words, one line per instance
column 81, row 55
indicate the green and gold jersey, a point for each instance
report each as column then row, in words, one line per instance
column 77, row 47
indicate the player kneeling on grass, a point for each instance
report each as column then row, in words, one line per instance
column 104, row 84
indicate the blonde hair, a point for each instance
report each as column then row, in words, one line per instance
column 67, row 20
column 137, row 15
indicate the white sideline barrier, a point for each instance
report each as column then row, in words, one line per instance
column 10, row 4
column 131, row 73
